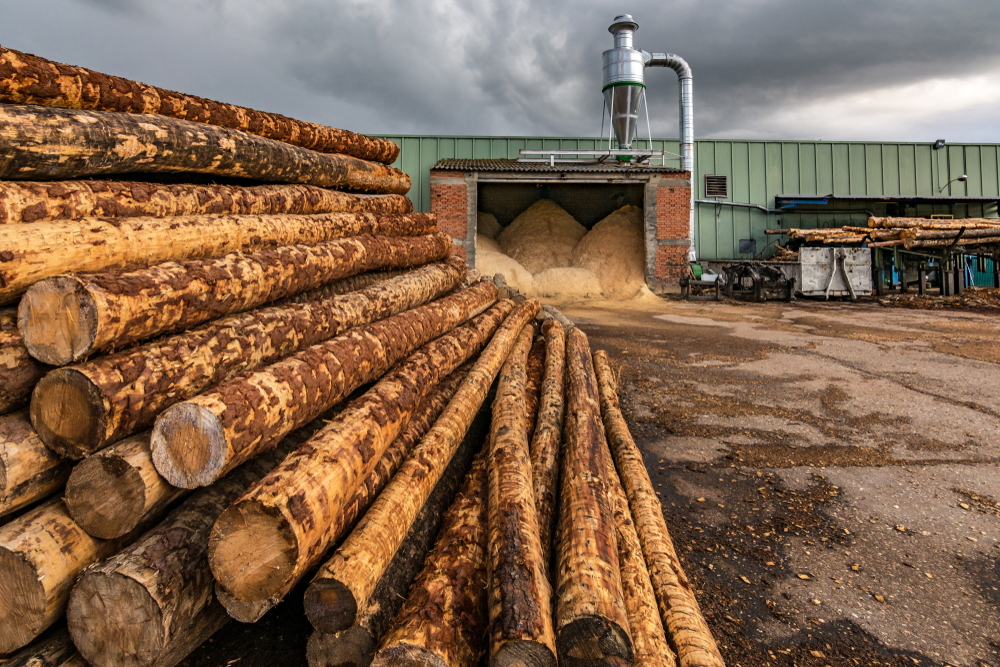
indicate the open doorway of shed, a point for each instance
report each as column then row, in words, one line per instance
column 588, row 203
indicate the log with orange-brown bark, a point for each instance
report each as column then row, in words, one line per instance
column 29, row 471
column 29, row 79
column 19, row 371
column 53, row 649
column 106, row 399
column 67, row 318
column 548, row 435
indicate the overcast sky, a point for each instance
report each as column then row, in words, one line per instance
column 909, row 70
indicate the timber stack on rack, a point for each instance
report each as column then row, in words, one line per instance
column 906, row 232
column 210, row 393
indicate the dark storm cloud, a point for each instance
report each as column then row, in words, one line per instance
column 783, row 68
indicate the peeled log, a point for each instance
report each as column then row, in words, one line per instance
column 269, row 536
column 41, row 554
column 29, row 470
column 18, row 370
column 199, row 440
column 41, row 144
column 53, row 650
column 110, row 493
column 355, row 646
column 548, row 435
column 47, row 249
column 591, row 623
column 424, row 416
column 687, row 631
column 444, row 618
column 518, row 591
column 104, row 400
column 130, row 609
column 67, row 318
column 342, row 589
column 28, row 79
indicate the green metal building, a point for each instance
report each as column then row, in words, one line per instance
column 790, row 183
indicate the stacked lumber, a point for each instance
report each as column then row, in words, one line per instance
column 906, row 232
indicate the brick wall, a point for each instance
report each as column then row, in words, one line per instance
column 450, row 203
column 673, row 214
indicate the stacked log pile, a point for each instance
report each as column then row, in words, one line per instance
column 905, row 232
column 211, row 393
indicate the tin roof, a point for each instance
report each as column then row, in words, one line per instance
column 500, row 164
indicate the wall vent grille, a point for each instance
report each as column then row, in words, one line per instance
column 716, row 186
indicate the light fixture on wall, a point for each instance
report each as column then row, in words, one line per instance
column 939, row 144
column 963, row 178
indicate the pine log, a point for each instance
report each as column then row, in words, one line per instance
column 130, row 609
column 47, row 249
column 41, row 554
column 519, row 595
column 67, row 318
column 649, row 640
column 18, row 370
column 591, row 623
column 534, row 371
column 54, row 649
column 43, row 143
column 444, row 619
column 267, row 539
column 988, row 240
column 687, row 631
column 41, row 201
column 548, row 435
column 928, row 223
column 424, row 416
column 355, row 646
column 199, row 440
column 342, row 589
column 29, row 471
column 114, row 396
column 951, row 234
column 29, row 79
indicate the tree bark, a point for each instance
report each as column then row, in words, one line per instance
column 41, row 554
column 591, row 623
column 128, row 610
column 444, row 619
column 28, row 79
column 117, row 395
column 197, row 441
column 906, row 223
column 29, row 471
column 41, row 144
column 687, row 631
column 53, row 650
column 46, row 249
column 67, row 318
column 518, row 592
column 18, row 370
column 342, row 589
column 41, row 201
column 298, row 502
column 355, row 646
column 534, row 372
column 425, row 415
column 548, row 435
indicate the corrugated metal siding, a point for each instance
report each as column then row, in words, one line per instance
column 758, row 171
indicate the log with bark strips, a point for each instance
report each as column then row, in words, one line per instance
column 40, row 201
column 591, row 623
column 46, row 249
column 926, row 235
column 132, row 608
column 29, row 471
column 534, row 372
column 114, row 396
column 18, row 370
column 964, row 241
column 444, row 618
column 424, row 416
column 53, row 649
column 42, row 143
column 548, row 435
column 355, row 646
column 301, row 499
column 519, row 595
column 925, row 223
column 67, row 318
column 41, row 554
column 343, row 586
column 29, row 79
column 197, row 441
column 687, row 631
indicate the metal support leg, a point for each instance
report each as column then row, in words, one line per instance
column 922, row 279
column 960, row 275
column 878, row 274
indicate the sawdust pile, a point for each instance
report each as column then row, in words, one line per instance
column 487, row 225
column 542, row 237
column 491, row 260
column 567, row 284
column 613, row 251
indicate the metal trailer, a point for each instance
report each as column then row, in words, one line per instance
column 819, row 272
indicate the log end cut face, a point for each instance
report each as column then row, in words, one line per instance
column 114, row 622
column 105, row 496
column 22, row 601
column 521, row 653
column 67, row 411
column 405, row 654
column 189, row 446
column 594, row 641
column 330, row 605
column 351, row 648
column 252, row 551
column 58, row 320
